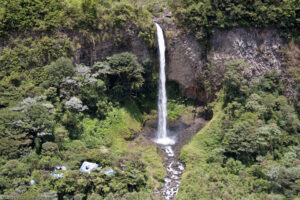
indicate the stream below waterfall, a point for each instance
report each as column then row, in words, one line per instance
column 174, row 171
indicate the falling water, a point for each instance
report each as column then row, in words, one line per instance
column 162, row 135
column 171, row 163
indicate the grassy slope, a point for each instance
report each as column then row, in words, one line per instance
column 204, row 177
column 126, row 123
column 194, row 155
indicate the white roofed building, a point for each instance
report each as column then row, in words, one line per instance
column 88, row 167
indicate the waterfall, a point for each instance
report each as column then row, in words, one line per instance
column 173, row 166
column 162, row 135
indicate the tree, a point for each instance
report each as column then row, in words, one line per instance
column 245, row 140
column 59, row 70
column 123, row 75
column 234, row 83
column 49, row 149
column 71, row 122
column 39, row 120
column 93, row 95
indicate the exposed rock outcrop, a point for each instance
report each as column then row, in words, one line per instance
column 184, row 59
column 92, row 47
column 258, row 47
column 192, row 65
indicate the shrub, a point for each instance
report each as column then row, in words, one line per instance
column 14, row 168
column 93, row 95
column 59, row 70
column 234, row 166
column 123, row 75
column 234, row 83
column 71, row 122
column 51, row 94
column 49, row 149
column 200, row 17
column 22, row 15
column 28, row 54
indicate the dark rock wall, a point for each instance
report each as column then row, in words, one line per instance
column 93, row 48
column 259, row 47
column 188, row 61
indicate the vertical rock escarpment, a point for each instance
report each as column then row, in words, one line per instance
column 260, row 48
column 197, row 69
column 92, row 48
column 192, row 65
column 184, row 60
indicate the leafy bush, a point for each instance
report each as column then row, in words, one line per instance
column 49, row 149
column 234, row 83
column 23, row 15
column 200, row 17
column 93, row 136
column 59, row 70
column 93, row 95
column 29, row 53
column 234, row 166
column 71, row 122
column 122, row 74
column 106, row 16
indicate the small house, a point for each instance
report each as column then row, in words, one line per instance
column 88, row 167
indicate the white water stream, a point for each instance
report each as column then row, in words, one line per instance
column 173, row 166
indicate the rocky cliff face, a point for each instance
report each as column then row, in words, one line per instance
column 258, row 47
column 185, row 57
column 93, row 48
column 190, row 65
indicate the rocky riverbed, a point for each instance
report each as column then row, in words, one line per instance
column 174, row 171
column 182, row 132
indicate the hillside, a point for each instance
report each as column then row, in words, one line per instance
column 79, row 82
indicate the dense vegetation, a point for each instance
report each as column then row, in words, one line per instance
column 74, row 115
column 57, row 112
column 85, row 16
column 251, row 147
column 201, row 16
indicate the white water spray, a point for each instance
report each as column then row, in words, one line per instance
column 162, row 135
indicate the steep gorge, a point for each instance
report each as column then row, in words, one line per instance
column 92, row 88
